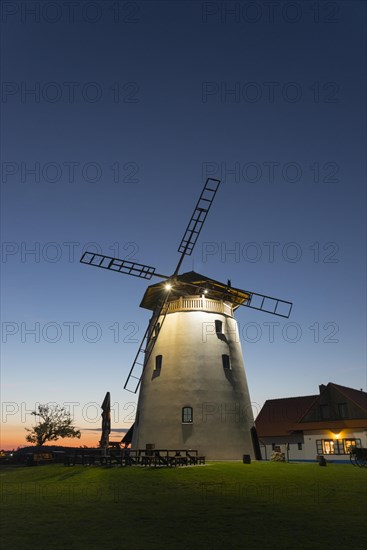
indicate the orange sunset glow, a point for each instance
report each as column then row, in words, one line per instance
column 13, row 436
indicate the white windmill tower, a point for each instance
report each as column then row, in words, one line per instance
column 189, row 366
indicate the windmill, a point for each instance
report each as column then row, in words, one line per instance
column 193, row 388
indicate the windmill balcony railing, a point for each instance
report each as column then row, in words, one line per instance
column 200, row 303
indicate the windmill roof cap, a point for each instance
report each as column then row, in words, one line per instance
column 192, row 283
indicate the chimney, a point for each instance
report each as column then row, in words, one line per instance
column 322, row 387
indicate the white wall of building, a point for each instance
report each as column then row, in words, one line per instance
column 308, row 452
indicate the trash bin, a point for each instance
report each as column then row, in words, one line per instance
column 246, row 459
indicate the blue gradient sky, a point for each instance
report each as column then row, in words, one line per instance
column 165, row 115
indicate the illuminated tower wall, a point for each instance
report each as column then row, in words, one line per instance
column 194, row 393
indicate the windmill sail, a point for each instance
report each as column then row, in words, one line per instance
column 115, row 264
column 146, row 347
column 198, row 218
column 275, row 306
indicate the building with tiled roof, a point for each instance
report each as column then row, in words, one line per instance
column 329, row 423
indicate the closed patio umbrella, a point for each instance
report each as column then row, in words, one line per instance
column 106, row 421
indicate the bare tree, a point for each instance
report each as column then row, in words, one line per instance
column 53, row 423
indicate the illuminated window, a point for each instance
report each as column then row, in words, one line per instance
column 226, row 362
column 350, row 443
column 158, row 362
column 328, row 446
column 336, row 446
column 187, row 415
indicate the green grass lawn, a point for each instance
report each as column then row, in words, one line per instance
column 219, row 505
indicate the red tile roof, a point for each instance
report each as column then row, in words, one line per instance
column 282, row 416
column 359, row 397
column 278, row 416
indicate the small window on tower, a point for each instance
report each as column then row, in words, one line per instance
column 226, row 362
column 218, row 327
column 158, row 362
column 187, row 416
